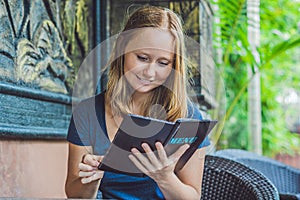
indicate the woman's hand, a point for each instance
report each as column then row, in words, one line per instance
column 158, row 167
column 88, row 168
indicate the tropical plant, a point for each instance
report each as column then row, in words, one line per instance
column 236, row 58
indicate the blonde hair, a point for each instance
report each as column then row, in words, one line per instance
column 173, row 98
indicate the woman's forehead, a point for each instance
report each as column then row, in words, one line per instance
column 151, row 38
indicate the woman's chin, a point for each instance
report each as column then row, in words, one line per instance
column 144, row 89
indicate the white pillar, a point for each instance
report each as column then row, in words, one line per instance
column 254, row 92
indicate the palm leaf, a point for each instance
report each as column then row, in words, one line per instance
column 280, row 48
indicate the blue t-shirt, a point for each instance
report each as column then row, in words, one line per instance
column 88, row 128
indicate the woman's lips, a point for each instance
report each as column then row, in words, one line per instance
column 144, row 81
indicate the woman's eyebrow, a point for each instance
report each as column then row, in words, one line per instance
column 150, row 55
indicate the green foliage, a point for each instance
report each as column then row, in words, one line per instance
column 276, row 136
column 82, row 23
column 279, row 44
column 68, row 20
column 77, row 28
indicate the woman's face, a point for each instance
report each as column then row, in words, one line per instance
column 149, row 59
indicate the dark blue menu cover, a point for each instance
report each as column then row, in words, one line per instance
column 135, row 130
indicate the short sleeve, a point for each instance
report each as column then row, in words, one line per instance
column 78, row 132
column 194, row 112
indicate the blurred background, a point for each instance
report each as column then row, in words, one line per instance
column 252, row 87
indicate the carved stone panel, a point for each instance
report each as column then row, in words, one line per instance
column 31, row 48
column 36, row 73
column 43, row 61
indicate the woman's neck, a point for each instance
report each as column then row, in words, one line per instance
column 138, row 99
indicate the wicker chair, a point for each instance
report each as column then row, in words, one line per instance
column 285, row 178
column 225, row 179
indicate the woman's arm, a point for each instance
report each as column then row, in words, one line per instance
column 83, row 177
column 186, row 184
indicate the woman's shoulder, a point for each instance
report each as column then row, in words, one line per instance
column 91, row 102
column 194, row 111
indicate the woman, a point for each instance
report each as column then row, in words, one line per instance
column 146, row 77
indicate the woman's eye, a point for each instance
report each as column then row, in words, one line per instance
column 142, row 58
column 164, row 63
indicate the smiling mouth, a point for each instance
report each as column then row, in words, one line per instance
column 144, row 81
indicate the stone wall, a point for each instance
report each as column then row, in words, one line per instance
column 32, row 169
column 36, row 80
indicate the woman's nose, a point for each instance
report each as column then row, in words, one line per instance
column 149, row 70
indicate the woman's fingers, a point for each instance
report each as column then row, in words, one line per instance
column 151, row 163
column 86, row 180
column 96, row 176
column 151, row 155
column 162, row 153
column 180, row 151
column 142, row 159
column 86, row 174
column 88, row 168
column 138, row 164
column 92, row 160
column 85, row 167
